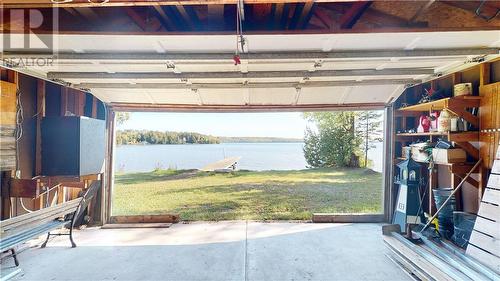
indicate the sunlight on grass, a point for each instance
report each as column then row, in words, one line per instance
column 267, row 195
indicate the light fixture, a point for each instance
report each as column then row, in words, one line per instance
column 60, row 1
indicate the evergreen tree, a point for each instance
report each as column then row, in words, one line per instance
column 369, row 126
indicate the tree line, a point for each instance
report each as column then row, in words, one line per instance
column 341, row 139
column 157, row 137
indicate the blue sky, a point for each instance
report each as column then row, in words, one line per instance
column 286, row 124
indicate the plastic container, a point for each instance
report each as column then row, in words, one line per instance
column 445, row 217
column 463, row 226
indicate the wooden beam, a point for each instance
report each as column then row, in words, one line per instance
column 169, row 218
column 421, row 10
column 142, row 22
column 323, row 17
column 185, row 16
column 234, row 74
column 484, row 74
column 40, row 113
column 346, row 218
column 278, row 14
column 167, row 23
column 215, row 16
column 353, row 14
column 305, row 15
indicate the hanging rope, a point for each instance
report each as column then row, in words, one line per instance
column 240, row 39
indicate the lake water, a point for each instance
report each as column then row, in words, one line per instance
column 254, row 156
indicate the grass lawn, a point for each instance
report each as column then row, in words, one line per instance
column 268, row 195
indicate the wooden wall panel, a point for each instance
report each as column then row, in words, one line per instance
column 7, row 126
column 489, row 122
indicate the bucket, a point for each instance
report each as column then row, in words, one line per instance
column 445, row 217
column 464, row 223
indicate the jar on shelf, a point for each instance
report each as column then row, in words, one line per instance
column 444, row 121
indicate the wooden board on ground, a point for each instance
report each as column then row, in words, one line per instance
column 135, row 225
column 169, row 218
column 430, row 269
column 346, row 218
column 223, row 164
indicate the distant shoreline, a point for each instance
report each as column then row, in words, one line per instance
column 254, row 142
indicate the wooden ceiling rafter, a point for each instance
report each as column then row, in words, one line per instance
column 185, row 16
column 305, row 16
column 143, row 21
column 353, row 14
column 164, row 19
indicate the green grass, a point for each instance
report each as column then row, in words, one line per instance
column 268, row 195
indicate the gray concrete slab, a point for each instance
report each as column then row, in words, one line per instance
column 318, row 252
column 235, row 250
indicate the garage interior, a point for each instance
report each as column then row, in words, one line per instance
column 69, row 67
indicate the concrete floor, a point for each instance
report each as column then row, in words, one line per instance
column 215, row 251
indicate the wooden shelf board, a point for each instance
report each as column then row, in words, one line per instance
column 451, row 136
column 441, row 104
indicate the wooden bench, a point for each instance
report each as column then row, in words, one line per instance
column 20, row 229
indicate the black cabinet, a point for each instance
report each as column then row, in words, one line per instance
column 73, row 146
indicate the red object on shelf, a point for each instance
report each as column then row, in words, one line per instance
column 423, row 124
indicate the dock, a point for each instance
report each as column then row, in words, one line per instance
column 222, row 165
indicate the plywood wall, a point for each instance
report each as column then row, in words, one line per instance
column 7, row 125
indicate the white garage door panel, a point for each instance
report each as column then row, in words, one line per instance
column 273, row 96
column 370, row 94
column 323, row 95
column 173, row 96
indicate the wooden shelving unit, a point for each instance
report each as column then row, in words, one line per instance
column 460, row 106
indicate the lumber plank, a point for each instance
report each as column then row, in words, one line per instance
column 136, row 225
column 491, row 196
column 430, row 269
column 8, row 222
column 166, row 218
column 484, row 257
column 346, row 218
